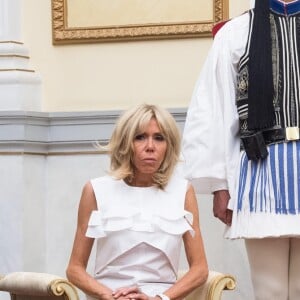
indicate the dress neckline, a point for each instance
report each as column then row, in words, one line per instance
column 137, row 187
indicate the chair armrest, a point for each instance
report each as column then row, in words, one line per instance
column 212, row 289
column 37, row 284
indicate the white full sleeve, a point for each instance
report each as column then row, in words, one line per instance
column 210, row 138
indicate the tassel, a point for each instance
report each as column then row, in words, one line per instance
column 260, row 89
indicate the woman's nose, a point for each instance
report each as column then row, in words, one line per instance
column 150, row 144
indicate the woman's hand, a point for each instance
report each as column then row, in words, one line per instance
column 132, row 293
column 125, row 291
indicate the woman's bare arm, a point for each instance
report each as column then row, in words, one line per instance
column 194, row 248
column 76, row 270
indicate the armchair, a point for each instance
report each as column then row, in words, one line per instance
column 214, row 286
column 43, row 286
column 37, row 286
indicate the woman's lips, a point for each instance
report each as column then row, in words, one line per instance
column 150, row 159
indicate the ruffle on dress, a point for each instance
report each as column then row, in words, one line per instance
column 175, row 223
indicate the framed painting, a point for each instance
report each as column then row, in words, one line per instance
column 86, row 21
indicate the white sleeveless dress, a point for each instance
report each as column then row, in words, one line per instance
column 139, row 233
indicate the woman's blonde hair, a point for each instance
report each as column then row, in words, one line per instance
column 133, row 122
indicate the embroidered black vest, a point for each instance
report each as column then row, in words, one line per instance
column 285, row 36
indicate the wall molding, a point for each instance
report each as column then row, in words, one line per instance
column 60, row 133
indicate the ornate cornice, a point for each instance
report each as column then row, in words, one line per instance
column 62, row 34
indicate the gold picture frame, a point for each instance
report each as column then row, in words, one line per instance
column 65, row 33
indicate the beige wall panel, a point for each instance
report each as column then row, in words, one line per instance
column 112, row 75
column 125, row 12
column 238, row 6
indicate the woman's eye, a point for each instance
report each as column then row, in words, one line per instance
column 140, row 137
column 159, row 137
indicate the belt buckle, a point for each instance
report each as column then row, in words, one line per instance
column 292, row 133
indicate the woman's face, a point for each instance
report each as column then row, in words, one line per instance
column 149, row 149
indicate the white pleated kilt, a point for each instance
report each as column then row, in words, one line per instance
column 267, row 195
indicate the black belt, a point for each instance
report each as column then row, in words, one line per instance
column 274, row 135
column 255, row 143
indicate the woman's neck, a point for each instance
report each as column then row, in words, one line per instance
column 141, row 181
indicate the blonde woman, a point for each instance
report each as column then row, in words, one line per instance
column 139, row 215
